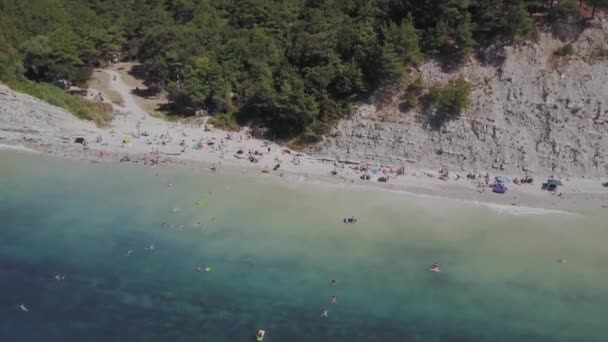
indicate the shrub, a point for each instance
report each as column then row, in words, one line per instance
column 226, row 121
column 448, row 102
column 565, row 51
column 411, row 99
column 417, row 86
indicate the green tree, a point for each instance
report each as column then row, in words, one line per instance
column 404, row 39
column 205, row 85
column 48, row 60
column 509, row 20
column 392, row 68
column 464, row 37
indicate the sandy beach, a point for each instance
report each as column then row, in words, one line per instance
column 135, row 136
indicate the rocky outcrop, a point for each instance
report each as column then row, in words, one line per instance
column 534, row 113
column 25, row 118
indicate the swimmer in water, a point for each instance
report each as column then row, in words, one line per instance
column 199, row 269
column 435, row 267
column 150, row 247
column 23, row 308
column 325, row 313
column 332, row 283
column 59, row 277
column 562, row 261
column 333, row 300
column 129, row 252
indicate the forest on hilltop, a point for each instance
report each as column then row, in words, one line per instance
column 294, row 66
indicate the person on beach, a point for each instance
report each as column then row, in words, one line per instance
column 333, row 300
column 325, row 313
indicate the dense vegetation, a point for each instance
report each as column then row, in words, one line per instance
column 293, row 65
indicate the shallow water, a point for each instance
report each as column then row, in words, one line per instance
column 273, row 249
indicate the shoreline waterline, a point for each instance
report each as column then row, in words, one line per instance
column 524, row 203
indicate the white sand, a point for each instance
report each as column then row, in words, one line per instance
column 30, row 124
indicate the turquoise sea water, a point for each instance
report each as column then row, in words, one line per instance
column 273, row 249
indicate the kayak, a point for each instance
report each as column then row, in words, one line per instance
column 260, row 335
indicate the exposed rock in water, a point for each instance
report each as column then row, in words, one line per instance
column 535, row 111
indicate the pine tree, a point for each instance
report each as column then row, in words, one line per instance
column 404, row 39
column 392, row 68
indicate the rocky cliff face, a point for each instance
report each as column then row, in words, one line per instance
column 24, row 118
column 533, row 113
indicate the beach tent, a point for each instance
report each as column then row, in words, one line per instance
column 499, row 188
column 502, row 179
